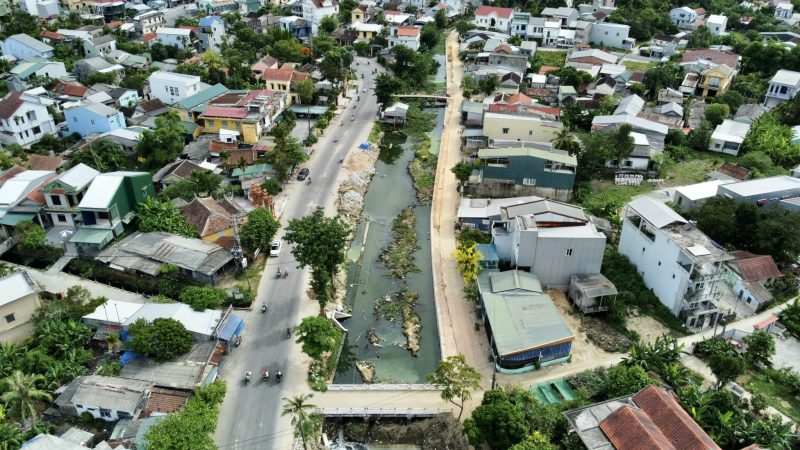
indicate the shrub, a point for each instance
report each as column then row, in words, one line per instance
column 203, row 297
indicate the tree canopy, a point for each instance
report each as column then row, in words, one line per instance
column 159, row 215
column 201, row 298
column 317, row 335
column 190, row 427
column 769, row 136
column 163, row 338
column 103, row 155
column 457, row 380
column 497, row 422
column 259, row 229
column 163, row 144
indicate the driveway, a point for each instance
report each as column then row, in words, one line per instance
column 250, row 416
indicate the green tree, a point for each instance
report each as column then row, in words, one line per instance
column 761, row 165
column 624, row 380
column 20, row 22
column 158, row 215
column 386, row 87
column 441, row 19
column 103, row 155
column 535, row 441
column 298, row 407
column 462, row 26
column 328, row 24
column 162, row 339
column 701, row 38
column 305, row 90
column 191, row 427
column 489, row 84
column 21, row 395
column 31, row 235
column 259, row 230
column 665, row 75
column 335, row 63
column 760, row 348
column 346, row 7
column 726, row 367
column 570, row 76
column 717, row 113
column 769, row 136
column 319, row 242
column 286, row 154
column 11, row 436
column 201, row 298
column 272, row 186
column 497, row 422
column 205, row 182
column 101, row 77
column 462, row 171
column 564, row 140
column 429, row 36
column 457, row 380
column 700, row 137
column 163, row 144
column 317, row 335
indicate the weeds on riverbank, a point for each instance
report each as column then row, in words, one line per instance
column 400, row 305
column 398, row 256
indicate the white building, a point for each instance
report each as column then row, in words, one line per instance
column 676, row 260
column 783, row 86
column 40, row 8
column 176, row 37
column 554, row 240
column 408, row 36
column 693, row 195
column 170, row 87
column 99, row 46
column 613, row 35
column 783, row 11
column 104, row 398
column 493, row 17
column 148, row 22
column 315, row 10
column 683, row 17
column 728, row 137
column 211, row 33
column 24, row 118
column 716, row 24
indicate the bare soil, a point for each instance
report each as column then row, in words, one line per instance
column 647, row 327
column 583, row 348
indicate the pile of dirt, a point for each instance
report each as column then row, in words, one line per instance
column 603, row 336
column 442, row 432
column 361, row 168
column 367, row 371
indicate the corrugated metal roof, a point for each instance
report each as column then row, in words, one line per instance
column 14, row 287
column 78, row 176
column 655, row 212
column 532, row 152
column 101, row 191
column 514, row 280
column 203, row 96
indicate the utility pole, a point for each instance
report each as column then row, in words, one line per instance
column 237, row 251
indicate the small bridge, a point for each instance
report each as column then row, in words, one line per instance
column 407, row 413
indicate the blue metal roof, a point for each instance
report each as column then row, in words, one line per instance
column 208, row 20
column 233, row 326
column 488, row 252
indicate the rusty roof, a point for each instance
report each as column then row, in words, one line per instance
column 730, row 59
column 209, row 216
column 629, row 428
column 42, row 162
column 732, row 170
column 754, row 268
column 165, row 401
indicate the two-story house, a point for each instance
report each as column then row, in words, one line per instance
column 683, row 17
column 284, row 79
column 493, row 17
column 24, row 118
column 148, row 22
column 91, row 118
column 211, row 33
column 296, row 25
column 22, row 46
column 611, row 35
column 99, row 46
column 783, row 10
column 19, row 300
column 517, row 125
column 108, row 206
column 104, row 398
column 565, row 16
column 19, row 74
column 65, row 192
column 677, row 261
column 96, row 64
column 407, row 36
column 248, row 114
column 171, row 87
column 21, row 199
column 315, row 10
column 111, row 10
column 715, row 80
column 176, row 37
column 783, row 86
column 750, row 277
column 367, row 31
column 716, row 24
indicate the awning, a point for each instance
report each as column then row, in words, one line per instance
column 232, row 327
column 92, row 236
column 12, row 219
column 311, row 110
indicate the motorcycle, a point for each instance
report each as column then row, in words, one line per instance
column 265, row 374
column 247, row 376
column 341, row 160
column 288, row 333
column 278, row 274
column 335, row 140
column 263, row 308
column 278, row 376
column 309, row 182
column 352, row 118
column 359, row 98
column 238, row 341
column 362, row 76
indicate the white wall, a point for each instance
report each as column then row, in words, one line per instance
column 609, row 34
column 171, row 91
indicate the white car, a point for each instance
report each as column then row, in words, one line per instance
column 275, row 248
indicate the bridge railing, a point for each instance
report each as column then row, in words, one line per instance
column 383, row 387
column 382, row 412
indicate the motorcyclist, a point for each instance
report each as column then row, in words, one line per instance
column 278, row 376
column 288, row 332
column 247, row 376
column 263, row 307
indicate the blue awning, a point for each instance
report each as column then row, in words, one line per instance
column 232, row 327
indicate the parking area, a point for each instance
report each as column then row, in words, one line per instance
column 787, row 353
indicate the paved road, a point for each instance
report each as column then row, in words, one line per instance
column 250, row 416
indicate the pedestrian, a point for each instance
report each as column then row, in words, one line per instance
column 285, row 273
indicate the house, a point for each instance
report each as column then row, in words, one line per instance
column 22, row 72
column 211, row 33
column 630, row 105
column 24, row 118
column 393, row 17
column 750, row 277
column 648, row 137
column 111, row 10
column 691, row 196
column 708, row 57
column 394, row 114
column 296, row 25
column 176, row 37
column 523, row 168
column 651, row 418
column 65, row 192
column 762, row 192
column 212, row 218
column 715, row 80
column 315, row 10
column 493, row 17
column 677, row 261
column 359, row 15
column 284, row 80
column 145, row 254
column 104, row 398
column 248, row 115
column 96, row 64
column 524, row 326
column 749, row 113
column 552, row 239
column 728, row 137
column 41, row 8
column 519, row 127
column 91, row 118
column 611, row 35
column 148, row 22
column 108, row 206
column 716, row 24
column 783, row 86
column 19, row 300
column 171, row 87
column 174, row 172
column 367, row 31
column 519, row 24
column 683, row 17
column 21, row 199
column 565, row 16
column 595, row 57
column 402, row 35
column 127, row 138
column 481, row 213
column 783, row 11
column 22, row 46
column 99, row 46
column 591, row 292
column 730, row 172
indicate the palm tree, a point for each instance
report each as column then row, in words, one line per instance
column 565, row 141
column 22, row 394
column 298, row 408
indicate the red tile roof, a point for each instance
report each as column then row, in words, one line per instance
column 148, row 37
column 499, row 12
column 11, row 173
column 51, row 35
column 189, row 27
column 232, row 112
column 755, row 267
column 730, row 59
column 10, row 104
column 165, row 401
column 408, row 31
column 284, row 73
column 219, row 146
column 42, row 162
column 629, row 428
column 69, row 88
column 732, row 170
column 700, row 11
column 544, row 69
column 209, row 216
column 254, row 94
column 114, row 24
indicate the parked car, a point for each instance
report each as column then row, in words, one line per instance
column 302, row 175
column 275, row 248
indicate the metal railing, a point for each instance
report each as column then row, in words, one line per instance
column 382, row 412
column 384, row 387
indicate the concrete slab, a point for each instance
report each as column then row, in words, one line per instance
column 787, row 353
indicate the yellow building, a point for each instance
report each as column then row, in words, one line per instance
column 19, row 300
column 715, row 81
column 251, row 114
column 367, row 31
column 216, row 118
column 284, row 79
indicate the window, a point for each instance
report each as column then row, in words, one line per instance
column 56, row 200
column 10, row 318
column 92, row 121
column 31, row 114
column 530, row 132
column 505, row 130
column 783, row 89
column 37, row 130
column 61, row 218
column 105, row 412
column 75, row 119
column 103, row 215
column 529, row 181
column 568, row 252
column 211, row 123
column 606, row 33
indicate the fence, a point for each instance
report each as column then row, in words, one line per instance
column 382, row 412
column 384, row 387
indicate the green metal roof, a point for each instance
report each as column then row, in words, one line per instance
column 27, row 68
column 188, row 127
column 92, row 236
column 203, row 96
column 11, row 219
column 511, row 280
column 526, row 151
column 472, row 107
column 255, row 169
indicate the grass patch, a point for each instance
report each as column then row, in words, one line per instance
column 633, row 66
column 778, row 395
column 375, row 132
column 321, row 370
column 549, row 58
column 398, row 256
